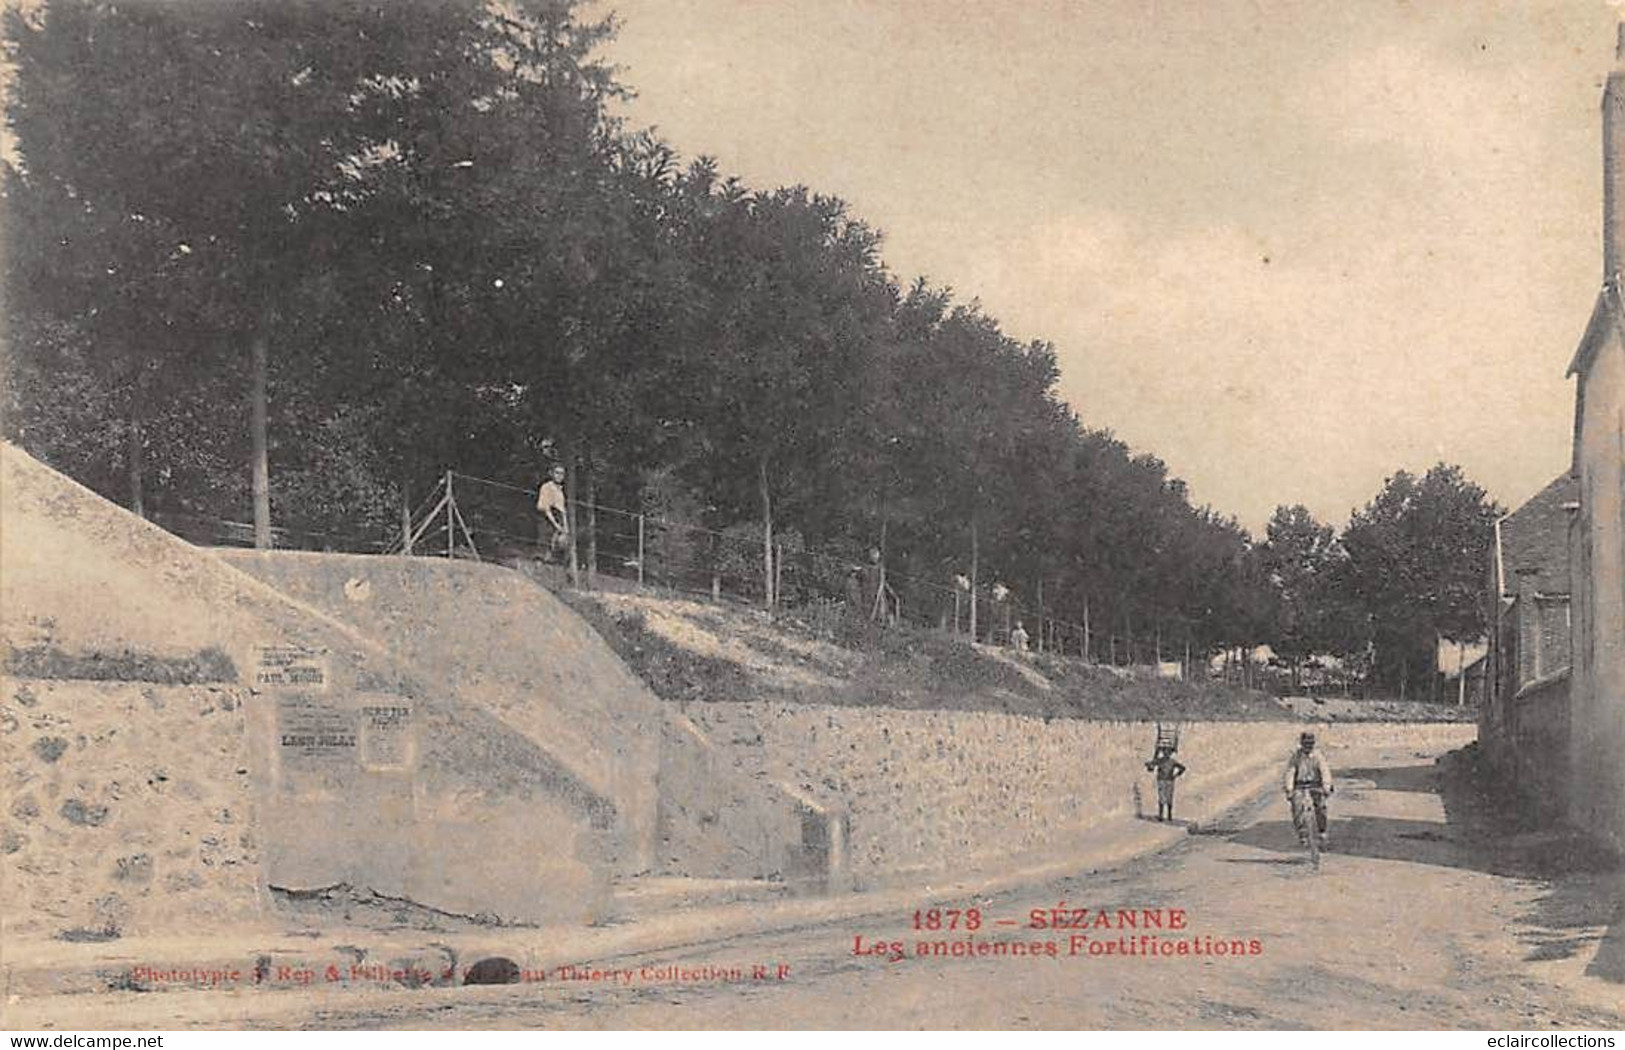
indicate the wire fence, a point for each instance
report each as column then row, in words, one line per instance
column 207, row 531
column 464, row 516
column 469, row 516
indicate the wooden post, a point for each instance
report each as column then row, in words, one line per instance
column 640, row 550
column 592, row 524
column 406, row 523
column 1041, row 614
column 259, row 345
column 1438, row 672
column 133, row 462
column 767, row 533
column 975, row 551
column 716, row 572
column 451, row 513
column 1461, row 674
column 571, row 519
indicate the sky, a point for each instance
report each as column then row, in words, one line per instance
column 1288, row 248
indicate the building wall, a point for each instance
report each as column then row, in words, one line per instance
column 1530, row 648
column 1531, row 665
column 1500, row 667
column 1534, row 755
column 1552, row 615
column 1598, row 558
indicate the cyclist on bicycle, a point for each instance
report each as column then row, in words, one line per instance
column 1307, row 782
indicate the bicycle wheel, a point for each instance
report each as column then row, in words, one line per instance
column 1303, row 822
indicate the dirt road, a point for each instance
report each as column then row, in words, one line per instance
column 1425, row 915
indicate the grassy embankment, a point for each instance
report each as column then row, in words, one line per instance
column 695, row 651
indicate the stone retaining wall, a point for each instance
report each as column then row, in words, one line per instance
column 950, row 792
column 130, row 809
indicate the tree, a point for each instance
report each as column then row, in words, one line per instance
column 1299, row 557
column 198, row 180
column 416, row 233
column 1415, row 566
column 795, row 297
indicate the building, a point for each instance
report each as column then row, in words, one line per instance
column 1597, row 532
column 1524, row 722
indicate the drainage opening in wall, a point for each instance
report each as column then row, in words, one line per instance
column 494, row 970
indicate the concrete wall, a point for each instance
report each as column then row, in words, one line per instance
column 1597, row 560
column 717, row 821
column 927, row 792
column 457, row 811
column 493, row 639
column 448, row 805
column 501, row 643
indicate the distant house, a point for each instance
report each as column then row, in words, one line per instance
column 1524, row 718
column 1461, row 666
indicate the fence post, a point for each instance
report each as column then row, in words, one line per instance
column 1041, row 614
column 592, row 525
column 975, row 550
column 571, row 519
column 406, row 523
column 640, row 550
column 451, row 533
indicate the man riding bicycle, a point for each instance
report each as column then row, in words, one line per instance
column 1307, row 782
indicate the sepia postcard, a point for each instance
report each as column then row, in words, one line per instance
column 812, row 515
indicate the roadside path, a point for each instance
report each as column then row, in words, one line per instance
column 1420, row 918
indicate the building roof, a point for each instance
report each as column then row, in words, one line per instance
column 1606, row 315
column 1596, row 329
column 1533, row 541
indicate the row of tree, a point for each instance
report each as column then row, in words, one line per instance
column 304, row 256
column 1408, row 570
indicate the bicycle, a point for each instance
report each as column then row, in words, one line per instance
column 1308, row 806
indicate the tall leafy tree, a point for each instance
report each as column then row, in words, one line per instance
column 416, row 229
column 1415, row 565
column 1299, row 556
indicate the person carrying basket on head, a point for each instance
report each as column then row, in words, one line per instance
column 1168, row 769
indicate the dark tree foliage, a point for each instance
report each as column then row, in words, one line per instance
column 1415, row 568
column 452, row 251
